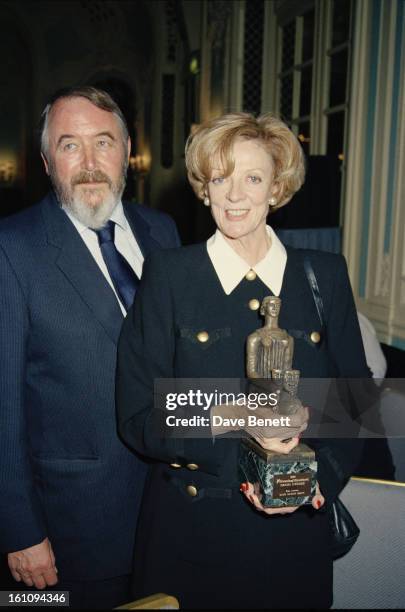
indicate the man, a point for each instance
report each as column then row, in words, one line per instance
column 69, row 267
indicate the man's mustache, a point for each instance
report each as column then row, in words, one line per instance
column 96, row 176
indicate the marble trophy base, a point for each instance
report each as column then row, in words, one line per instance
column 282, row 480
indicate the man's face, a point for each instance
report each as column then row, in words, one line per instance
column 86, row 159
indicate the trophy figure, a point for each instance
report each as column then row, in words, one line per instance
column 269, row 347
column 277, row 377
column 282, row 480
column 289, row 403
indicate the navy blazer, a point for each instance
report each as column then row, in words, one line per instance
column 64, row 473
column 212, row 549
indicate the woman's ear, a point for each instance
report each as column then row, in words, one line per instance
column 275, row 191
column 274, row 200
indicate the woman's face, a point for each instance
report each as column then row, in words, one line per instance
column 240, row 202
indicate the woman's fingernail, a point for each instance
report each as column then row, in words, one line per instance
column 243, row 487
column 318, row 503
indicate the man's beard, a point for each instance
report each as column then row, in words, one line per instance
column 93, row 215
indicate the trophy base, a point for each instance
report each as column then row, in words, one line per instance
column 281, row 480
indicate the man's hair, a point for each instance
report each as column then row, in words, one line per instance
column 98, row 97
column 212, row 143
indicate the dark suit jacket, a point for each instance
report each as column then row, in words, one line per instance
column 64, row 473
column 213, row 549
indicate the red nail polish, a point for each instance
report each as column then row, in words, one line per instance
column 243, row 487
column 318, row 504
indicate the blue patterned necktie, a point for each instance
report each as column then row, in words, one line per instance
column 122, row 275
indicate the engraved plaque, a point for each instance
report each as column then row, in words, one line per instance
column 292, row 485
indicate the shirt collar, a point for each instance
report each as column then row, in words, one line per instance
column 231, row 268
column 117, row 216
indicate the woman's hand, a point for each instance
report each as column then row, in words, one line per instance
column 283, row 447
column 254, row 497
column 271, row 437
column 265, row 425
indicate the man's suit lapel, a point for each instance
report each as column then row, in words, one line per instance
column 141, row 230
column 77, row 263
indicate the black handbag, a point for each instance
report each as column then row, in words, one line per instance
column 345, row 531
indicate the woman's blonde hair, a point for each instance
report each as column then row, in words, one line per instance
column 214, row 140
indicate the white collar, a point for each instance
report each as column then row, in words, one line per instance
column 117, row 216
column 231, row 268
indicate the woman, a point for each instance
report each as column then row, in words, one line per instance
column 201, row 536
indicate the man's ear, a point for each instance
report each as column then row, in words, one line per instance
column 46, row 164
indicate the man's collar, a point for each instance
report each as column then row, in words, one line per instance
column 231, row 268
column 117, row 216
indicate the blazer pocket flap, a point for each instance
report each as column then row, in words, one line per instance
column 203, row 336
column 314, row 338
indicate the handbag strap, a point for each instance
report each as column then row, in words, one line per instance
column 316, row 294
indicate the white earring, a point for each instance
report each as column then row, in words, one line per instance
column 207, row 201
column 272, row 202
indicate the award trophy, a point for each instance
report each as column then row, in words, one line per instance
column 281, row 480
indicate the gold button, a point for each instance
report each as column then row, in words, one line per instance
column 192, row 490
column 315, row 337
column 175, row 465
column 251, row 275
column 202, row 336
column 192, row 466
column 254, row 304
